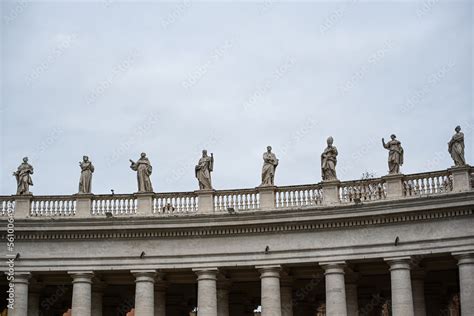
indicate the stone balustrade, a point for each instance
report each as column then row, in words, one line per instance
column 175, row 203
column 117, row 204
column 322, row 194
column 246, row 199
column 427, row 183
column 49, row 206
column 362, row 190
column 298, row 196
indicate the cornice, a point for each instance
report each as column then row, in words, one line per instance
column 290, row 225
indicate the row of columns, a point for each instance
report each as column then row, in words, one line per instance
column 276, row 293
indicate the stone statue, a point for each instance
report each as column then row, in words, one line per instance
column 143, row 169
column 23, row 177
column 87, row 168
column 456, row 147
column 203, row 171
column 395, row 156
column 270, row 162
column 329, row 161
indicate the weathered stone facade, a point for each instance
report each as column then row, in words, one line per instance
column 400, row 244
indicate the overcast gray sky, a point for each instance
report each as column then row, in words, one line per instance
column 111, row 79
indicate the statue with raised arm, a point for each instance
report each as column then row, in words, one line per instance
column 456, row 147
column 203, row 171
column 143, row 169
column 270, row 162
column 87, row 168
column 395, row 155
column 23, row 177
column 329, row 161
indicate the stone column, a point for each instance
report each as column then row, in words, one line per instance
column 331, row 191
column 81, row 293
column 223, row 286
column 335, row 289
column 352, row 300
column 97, row 293
column 271, row 300
column 418, row 287
column 267, row 197
column 20, row 291
column 402, row 295
column 160, row 295
column 207, row 291
column 466, row 282
column 205, row 201
column 286, row 288
column 34, row 298
column 144, row 292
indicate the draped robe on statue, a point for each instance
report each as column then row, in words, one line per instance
column 86, row 177
column 143, row 169
column 203, row 172
column 456, row 149
column 23, row 178
column 395, row 156
column 328, row 163
column 270, row 162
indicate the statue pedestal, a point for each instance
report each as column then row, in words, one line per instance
column 144, row 203
column 461, row 178
column 267, row 197
column 22, row 205
column 83, row 204
column 394, row 188
column 205, row 201
column 331, row 191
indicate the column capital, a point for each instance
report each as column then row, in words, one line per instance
column 464, row 257
column 81, row 276
column 144, row 275
column 332, row 267
column 398, row 263
column 21, row 277
column 270, row 271
column 206, row 273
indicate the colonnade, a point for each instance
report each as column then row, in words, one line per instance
column 407, row 291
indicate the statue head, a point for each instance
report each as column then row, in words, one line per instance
column 85, row 158
column 269, row 148
column 458, row 129
column 143, row 155
column 25, row 159
column 204, row 153
column 393, row 136
column 330, row 140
